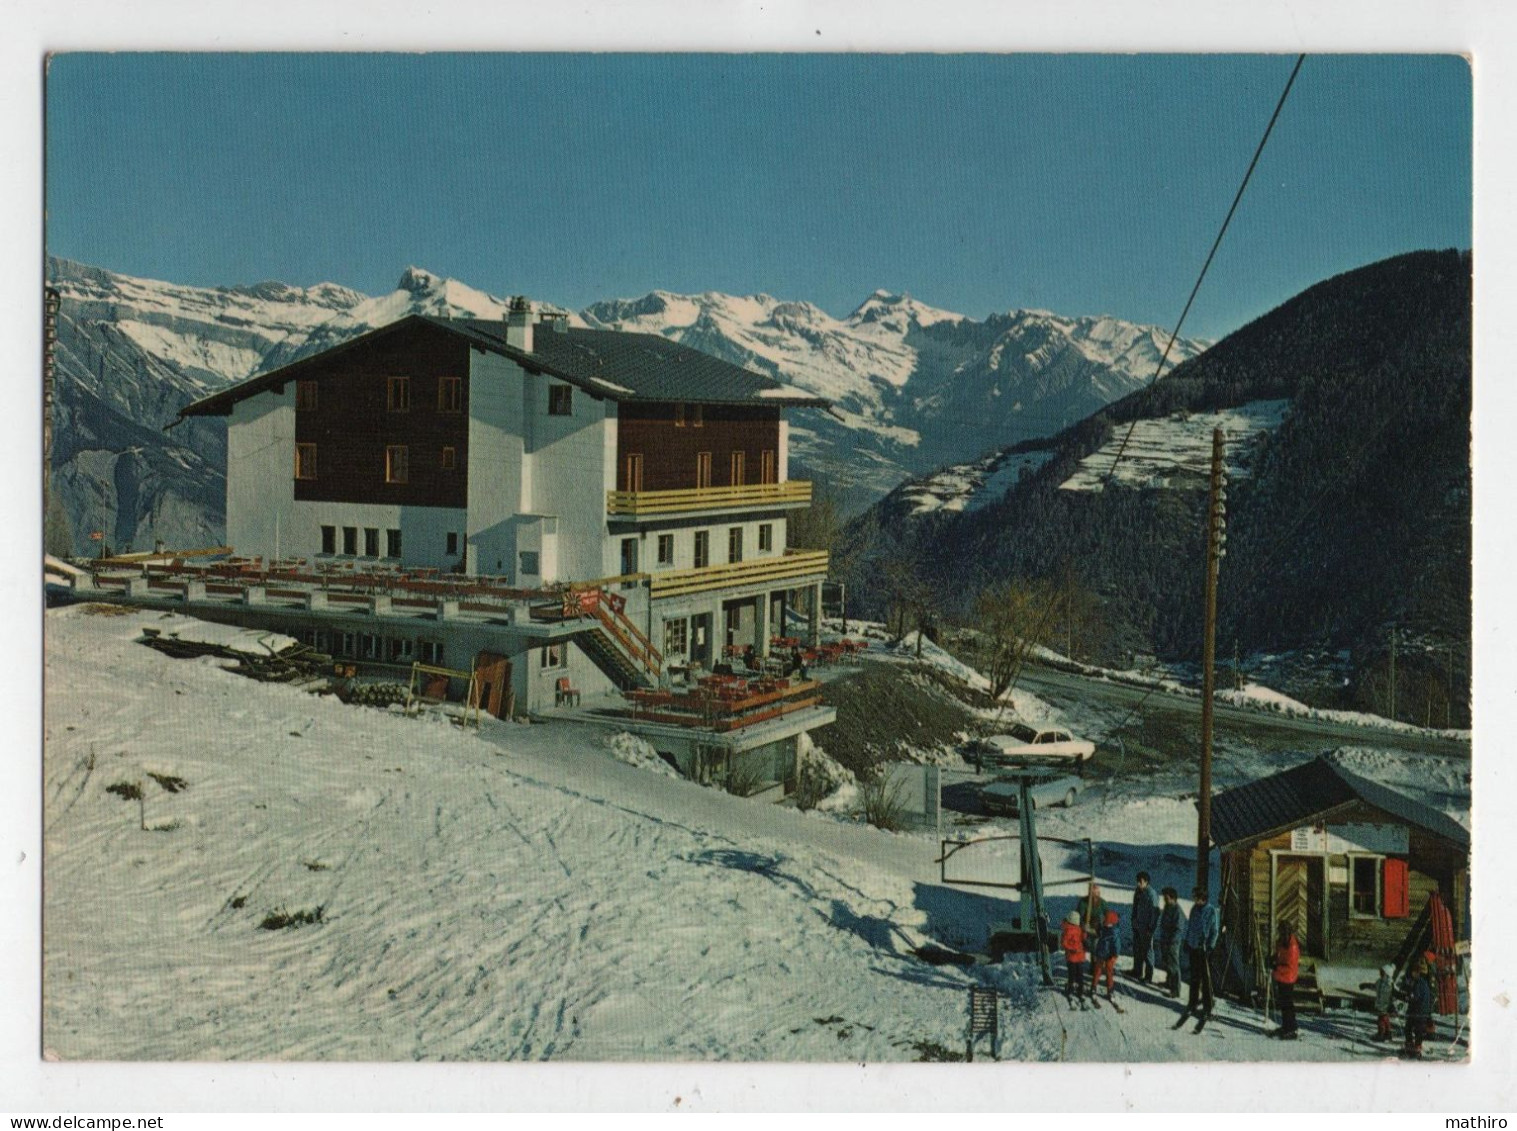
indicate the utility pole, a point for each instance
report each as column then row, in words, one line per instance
column 1216, row 549
column 1393, row 672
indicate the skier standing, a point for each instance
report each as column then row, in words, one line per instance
column 1145, row 917
column 1202, row 930
column 1072, row 939
column 1419, row 1009
column 1171, row 929
column 1287, row 966
column 1108, row 946
column 1384, row 992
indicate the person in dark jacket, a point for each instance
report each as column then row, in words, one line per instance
column 1144, row 919
column 1171, row 929
column 1419, row 1009
column 1286, row 968
column 1202, row 930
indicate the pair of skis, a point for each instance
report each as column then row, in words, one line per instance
column 1095, row 1001
column 1184, row 1017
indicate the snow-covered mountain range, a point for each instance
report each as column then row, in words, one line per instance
column 913, row 387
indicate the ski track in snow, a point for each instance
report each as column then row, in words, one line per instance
column 519, row 894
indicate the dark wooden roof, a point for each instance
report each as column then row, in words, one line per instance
column 610, row 364
column 1307, row 792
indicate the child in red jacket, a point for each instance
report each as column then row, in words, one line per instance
column 1072, row 939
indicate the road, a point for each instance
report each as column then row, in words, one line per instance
column 1264, row 728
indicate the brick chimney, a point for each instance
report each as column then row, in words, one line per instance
column 519, row 324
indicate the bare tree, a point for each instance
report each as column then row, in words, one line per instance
column 1014, row 617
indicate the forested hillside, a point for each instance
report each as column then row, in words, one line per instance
column 1353, row 529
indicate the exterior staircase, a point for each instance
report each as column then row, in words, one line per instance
column 618, row 647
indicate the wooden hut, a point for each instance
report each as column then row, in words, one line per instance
column 1349, row 863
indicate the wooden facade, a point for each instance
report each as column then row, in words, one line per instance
column 669, row 453
column 1298, row 876
column 354, row 424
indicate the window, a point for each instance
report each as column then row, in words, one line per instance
column 553, row 655
column 1364, row 886
column 402, row 651
column 398, row 394
column 735, row 544
column 767, row 467
column 305, row 396
column 697, row 416
column 392, row 543
column 373, row 646
column 530, row 563
column 702, row 548
column 397, row 464
column 452, row 542
column 737, row 468
column 305, row 461
column 676, row 636
column 666, row 549
column 449, row 458
column 632, row 478
column 350, row 540
column 766, row 537
column 450, row 394
column 679, row 414
column 629, row 555
column 702, row 469
column 560, row 400
column 371, row 542
column 350, row 644
column 329, row 539
column 431, row 652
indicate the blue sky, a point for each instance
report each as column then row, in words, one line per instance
column 1081, row 184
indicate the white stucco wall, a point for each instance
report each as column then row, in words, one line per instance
column 423, row 531
column 571, row 465
column 684, row 544
column 497, row 449
column 261, row 473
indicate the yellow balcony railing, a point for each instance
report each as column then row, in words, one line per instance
column 733, row 575
column 793, row 492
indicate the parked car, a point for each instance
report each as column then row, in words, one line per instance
column 1000, row 797
column 1023, row 745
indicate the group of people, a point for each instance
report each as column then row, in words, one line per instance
column 1091, row 944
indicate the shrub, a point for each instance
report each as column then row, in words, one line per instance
column 281, row 919
column 884, row 807
column 810, row 787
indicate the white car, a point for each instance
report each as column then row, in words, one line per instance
column 1023, row 746
column 1001, row 797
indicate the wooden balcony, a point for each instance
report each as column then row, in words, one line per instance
column 750, row 496
column 774, row 571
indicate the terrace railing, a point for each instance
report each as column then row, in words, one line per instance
column 633, row 504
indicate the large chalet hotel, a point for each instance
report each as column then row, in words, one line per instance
column 533, row 457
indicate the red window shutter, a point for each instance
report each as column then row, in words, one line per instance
column 1397, row 889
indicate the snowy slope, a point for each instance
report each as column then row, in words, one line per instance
column 1176, row 451
column 517, row 894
